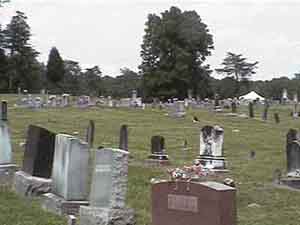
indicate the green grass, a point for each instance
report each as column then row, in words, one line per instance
column 253, row 177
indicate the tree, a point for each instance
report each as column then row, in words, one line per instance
column 91, row 80
column 175, row 46
column 55, row 67
column 2, row 2
column 237, row 67
column 22, row 65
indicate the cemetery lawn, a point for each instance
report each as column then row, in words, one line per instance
column 275, row 206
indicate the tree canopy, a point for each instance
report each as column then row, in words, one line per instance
column 175, row 46
column 55, row 66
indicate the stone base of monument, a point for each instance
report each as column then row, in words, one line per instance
column 157, row 160
column 215, row 164
column 106, row 216
column 58, row 205
column 7, row 172
column 26, row 185
column 292, row 182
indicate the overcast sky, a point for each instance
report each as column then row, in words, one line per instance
column 109, row 33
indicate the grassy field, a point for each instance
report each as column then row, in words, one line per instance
column 253, row 177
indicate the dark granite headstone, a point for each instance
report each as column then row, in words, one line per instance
column 90, row 133
column 233, row 107
column 251, row 110
column 276, row 117
column 158, row 148
column 39, row 152
column 292, row 151
column 182, row 203
column 4, row 111
column 123, row 143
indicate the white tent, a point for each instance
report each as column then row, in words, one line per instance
column 251, row 96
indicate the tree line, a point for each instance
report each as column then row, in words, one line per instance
column 173, row 53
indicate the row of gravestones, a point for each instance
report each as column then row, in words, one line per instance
column 66, row 160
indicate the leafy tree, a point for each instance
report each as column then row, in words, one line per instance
column 91, row 80
column 175, row 46
column 71, row 81
column 237, row 67
column 55, row 67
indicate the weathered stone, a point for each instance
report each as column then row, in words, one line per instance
column 7, row 172
column 70, row 168
column 109, row 184
column 158, row 151
column 59, row 206
column 251, row 110
column 72, row 220
column 276, row 117
column 292, row 151
column 90, row 133
column 123, row 143
column 105, row 216
column 26, row 185
column 5, row 144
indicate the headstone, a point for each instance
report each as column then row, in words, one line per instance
column 295, row 98
column 90, row 133
column 39, row 152
column 295, row 112
column 178, row 110
column 123, row 143
column 211, row 147
column 70, row 176
column 182, row 203
column 108, row 190
column 276, row 117
column 158, row 151
column 7, row 169
column 233, row 106
column 70, row 168
column 284, row 96
column 292, row 151
column 265, row 112
column 251, row 110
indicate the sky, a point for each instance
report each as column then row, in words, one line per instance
column 108, row 33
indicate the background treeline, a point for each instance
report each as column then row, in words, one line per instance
column 174, row 50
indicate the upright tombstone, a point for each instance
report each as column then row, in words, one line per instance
column 276, row 117
column 284, row 97
column 70, row 176
column 234, row 106
column 178, row 110
column 90, row 133
column 266, row 109
column 211, row 148
column 7, row 168
column 295, row 111
column 123, row 142
column 34, row 178
column 251, row 110
column 158, row 153
column 108, row 190
column 292, row 179
column 183, row 203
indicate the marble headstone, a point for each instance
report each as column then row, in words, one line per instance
column 211, row 141
column 39, row 152
column 109, row 183
column 5, row 143
column 70, row 173
column 293, row 152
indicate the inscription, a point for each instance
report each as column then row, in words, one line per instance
column 183, row 203
column 103, row 168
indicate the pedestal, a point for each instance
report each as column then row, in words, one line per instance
column 7, row 172
column 26, row 185
column 59, row 206
column 216, row 164
column 157, row 160
column 106, row 216
column 292, row 182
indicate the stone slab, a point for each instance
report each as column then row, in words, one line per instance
column 26, row 185
column 57, row 205
column 215, row 163
column 291, row 182
column 106, row 216
column 7, row 174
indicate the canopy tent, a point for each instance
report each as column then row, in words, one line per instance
column 251, row 96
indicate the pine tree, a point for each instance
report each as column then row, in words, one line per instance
column 55, row 67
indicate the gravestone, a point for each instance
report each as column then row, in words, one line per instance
column 177, row 110
column 108, row 190
column 295, row 111
column 251, row 110
column 158, row 153
column 7, row 169
column 234, row 106
column 70, row 176
column 276, row 117
column 90, row 133
column 211, row 147
column 182, row 203
column 34, row 178
column 265, row 112
column 123, row 142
